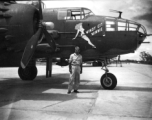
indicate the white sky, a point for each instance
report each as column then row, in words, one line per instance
column 130, row 9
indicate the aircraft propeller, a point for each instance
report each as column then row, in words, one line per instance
column 32, row 43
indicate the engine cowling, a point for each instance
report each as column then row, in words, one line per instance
column 18, row 22
column 22, row 23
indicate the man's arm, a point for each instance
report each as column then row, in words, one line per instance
column 81, row 69
column 70, row 68
column 70, row 61
column 81, row 66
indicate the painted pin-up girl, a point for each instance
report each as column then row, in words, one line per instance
column 80, row 29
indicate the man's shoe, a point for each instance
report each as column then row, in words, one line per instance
column 76, row 91
column 68, row 92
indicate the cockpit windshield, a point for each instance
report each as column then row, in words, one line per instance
column 114, row 24
column 87, row 12
column 74, row 13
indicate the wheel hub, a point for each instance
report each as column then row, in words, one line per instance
column 107, row 81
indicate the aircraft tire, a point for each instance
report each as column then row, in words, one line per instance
column 108, row 82
column 27, row 74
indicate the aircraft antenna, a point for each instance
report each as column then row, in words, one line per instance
column 120, row 12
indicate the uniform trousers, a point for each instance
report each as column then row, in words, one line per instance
column 74, row 78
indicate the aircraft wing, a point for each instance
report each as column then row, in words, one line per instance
column 44, row 50
column 45, row 47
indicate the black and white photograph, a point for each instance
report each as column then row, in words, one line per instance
column 76, row 60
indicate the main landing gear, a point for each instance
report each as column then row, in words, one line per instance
column 28, row 74
column 108, row 80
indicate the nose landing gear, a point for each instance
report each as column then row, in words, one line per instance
column 108, row 80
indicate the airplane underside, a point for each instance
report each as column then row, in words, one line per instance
column 108, row 80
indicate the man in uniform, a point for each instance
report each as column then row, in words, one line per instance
column 75, row 69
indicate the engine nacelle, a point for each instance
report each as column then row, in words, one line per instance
column 22, row 22
column 18, row 23
column 49, row 25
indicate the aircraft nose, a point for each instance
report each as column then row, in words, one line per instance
column 142, row 33
column 141, row 37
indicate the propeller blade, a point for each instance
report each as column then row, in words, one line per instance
column 32, row 43
column 30, row 48
column 49, row 39
column 40, row 10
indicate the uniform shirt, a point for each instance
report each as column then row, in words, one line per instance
column 75, row 59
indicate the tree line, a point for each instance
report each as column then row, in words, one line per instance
column 146, row 58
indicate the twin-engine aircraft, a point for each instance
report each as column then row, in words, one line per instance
column 28, row 32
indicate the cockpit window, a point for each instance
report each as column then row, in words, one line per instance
column 78, row 14
column 110, row 25
column 122, row 26
column 87, row 12
column 73, row 14
column 115, row 24
column 133, row 27
column 141, row 30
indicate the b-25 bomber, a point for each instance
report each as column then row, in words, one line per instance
column 29, row 32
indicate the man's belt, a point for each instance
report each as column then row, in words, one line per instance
column 75, row 65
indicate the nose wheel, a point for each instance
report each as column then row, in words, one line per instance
column 108, row 80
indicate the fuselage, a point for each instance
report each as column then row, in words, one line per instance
column 110, row 35
column 97, row 36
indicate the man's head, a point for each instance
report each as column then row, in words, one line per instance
column 77, row 50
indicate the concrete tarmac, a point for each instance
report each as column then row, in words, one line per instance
column 47, row 98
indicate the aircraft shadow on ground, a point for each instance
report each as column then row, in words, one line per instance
column 128, row 88
column 111, row 65
column 13, row 89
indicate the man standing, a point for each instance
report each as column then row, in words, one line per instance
column 75, row 69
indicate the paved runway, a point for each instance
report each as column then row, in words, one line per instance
column 47, row 98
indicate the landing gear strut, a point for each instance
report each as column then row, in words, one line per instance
column 108, row 80
column 49, row 67
column 28, row 74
